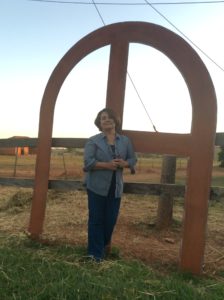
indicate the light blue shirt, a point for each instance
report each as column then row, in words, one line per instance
column 98, row 150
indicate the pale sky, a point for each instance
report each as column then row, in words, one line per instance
column 35, row 35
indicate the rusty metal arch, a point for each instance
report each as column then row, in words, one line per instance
column 198, row 145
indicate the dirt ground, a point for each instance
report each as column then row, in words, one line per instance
column 135, row 235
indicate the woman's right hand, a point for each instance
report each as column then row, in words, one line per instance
column 112, row 165
column 107, row 165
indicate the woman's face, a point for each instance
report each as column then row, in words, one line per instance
column 106, row 123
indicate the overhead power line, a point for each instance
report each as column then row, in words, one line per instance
column 151, row 4
column 98, row 12
column 140, row 98
column 184, row 35
column 129, row 76
column 130, row 3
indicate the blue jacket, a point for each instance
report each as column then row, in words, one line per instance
column 97, row 149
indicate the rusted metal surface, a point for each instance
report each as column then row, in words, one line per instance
column 117, row 76
column 198, row 145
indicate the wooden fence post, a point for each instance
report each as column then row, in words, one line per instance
column 15, row 163
column 165, row 203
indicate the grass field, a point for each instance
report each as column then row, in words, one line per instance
column 144, row 261
column 31, row 270
column 143, row 264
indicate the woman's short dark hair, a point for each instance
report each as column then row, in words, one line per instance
column 111, row 115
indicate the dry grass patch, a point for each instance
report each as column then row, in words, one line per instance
column 135, row 235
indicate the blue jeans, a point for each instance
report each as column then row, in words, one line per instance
column 103, row 213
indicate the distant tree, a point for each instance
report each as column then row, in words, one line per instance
column 221, row 157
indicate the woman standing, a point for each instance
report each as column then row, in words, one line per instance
column 105, row 156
